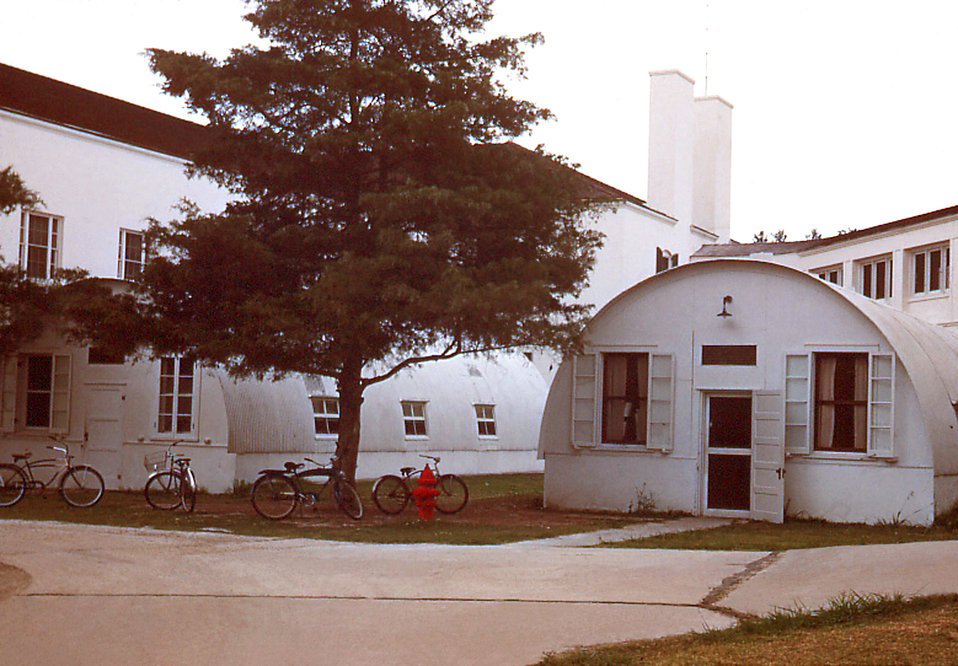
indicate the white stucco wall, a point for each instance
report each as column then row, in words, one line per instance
column 781, row 312
column 898, row 242
column 97, row 186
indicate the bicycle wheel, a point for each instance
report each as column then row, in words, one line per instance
column 81, row 486
column 162, row 491
column 453, row 494
column 390, row 494
column 188, row 490
column 13, row 484
column 273, row 496
column 347, row 499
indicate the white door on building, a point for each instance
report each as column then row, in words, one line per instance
column 768, row 457
column 728, row 453
column 103, row 426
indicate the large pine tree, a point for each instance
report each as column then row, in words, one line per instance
column 381, row 218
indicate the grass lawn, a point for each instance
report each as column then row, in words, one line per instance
column 850, row 630
column 792, row 534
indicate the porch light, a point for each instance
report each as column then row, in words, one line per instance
column 725, row 301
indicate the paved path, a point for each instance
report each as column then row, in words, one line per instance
column 150, row 597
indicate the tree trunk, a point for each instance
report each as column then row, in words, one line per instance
column 350, row 406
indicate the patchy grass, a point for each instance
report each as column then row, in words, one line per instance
column 791, row 534
column 502, row 508
column 852, row 629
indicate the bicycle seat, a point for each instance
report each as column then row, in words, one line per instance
column 292, row 467
column 406, row 471
column 21, row 456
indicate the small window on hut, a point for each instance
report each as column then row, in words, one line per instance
column 841, row 401
column 625, row 393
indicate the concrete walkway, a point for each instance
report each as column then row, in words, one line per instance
column 88, row 594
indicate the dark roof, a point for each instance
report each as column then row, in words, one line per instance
column 47, row 99
column 734, row 249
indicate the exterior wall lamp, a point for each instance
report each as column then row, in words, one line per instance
column 725, row 313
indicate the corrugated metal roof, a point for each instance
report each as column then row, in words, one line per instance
column 267, row 417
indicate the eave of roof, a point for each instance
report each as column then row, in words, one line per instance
column 43, row 98
column 734, row 249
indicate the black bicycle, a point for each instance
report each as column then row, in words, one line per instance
column 277, row 492
column 171, row 483
column 391, row 493
column 79, row 485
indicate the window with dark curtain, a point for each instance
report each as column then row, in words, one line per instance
column 625, row 380
column 841, row 401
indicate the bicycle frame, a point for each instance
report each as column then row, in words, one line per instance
column 309, row 496
column 414, row 472
column 60, row 465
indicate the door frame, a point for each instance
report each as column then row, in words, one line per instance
column 706, row 396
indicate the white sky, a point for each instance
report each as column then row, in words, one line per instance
column 845, row 110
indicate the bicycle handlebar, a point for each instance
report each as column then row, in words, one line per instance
column 436, row 458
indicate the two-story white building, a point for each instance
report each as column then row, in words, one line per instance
column 103, row 167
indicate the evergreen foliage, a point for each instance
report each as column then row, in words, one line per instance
column 380, row 216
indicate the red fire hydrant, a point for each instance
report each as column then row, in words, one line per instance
column 425, row 493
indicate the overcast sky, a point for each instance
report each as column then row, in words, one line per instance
column 844, row 110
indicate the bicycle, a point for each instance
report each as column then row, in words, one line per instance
column 391, row 493
column 171, row 483
column 277, row 492
column 79, row 485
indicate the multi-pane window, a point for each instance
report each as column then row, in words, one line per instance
column 414, row 418
column 831, row 274
column 175, row 414
column 625, row 381
column 325, row 414
column 46, row 391
column 132, row 255
column 40, row 244
column 875, row 277
column 841, row 401
column 930, row 269
column 486, row 420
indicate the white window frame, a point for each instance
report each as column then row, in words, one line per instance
column 414, row 414
column 325, row 411
column 52, row 245
column 923, row 255
column 800, row 406
column 15, row 389
column 486, row 420
column 123, row 261
column 587, row 399
column 871, row 288
column 825, row 273
column 183, row 404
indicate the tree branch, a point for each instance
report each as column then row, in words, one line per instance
column 454, row 349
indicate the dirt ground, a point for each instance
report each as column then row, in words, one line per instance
column 495, row 511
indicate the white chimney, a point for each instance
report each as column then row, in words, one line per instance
column 712, row 180
column 690, row 153
column 671, row 144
